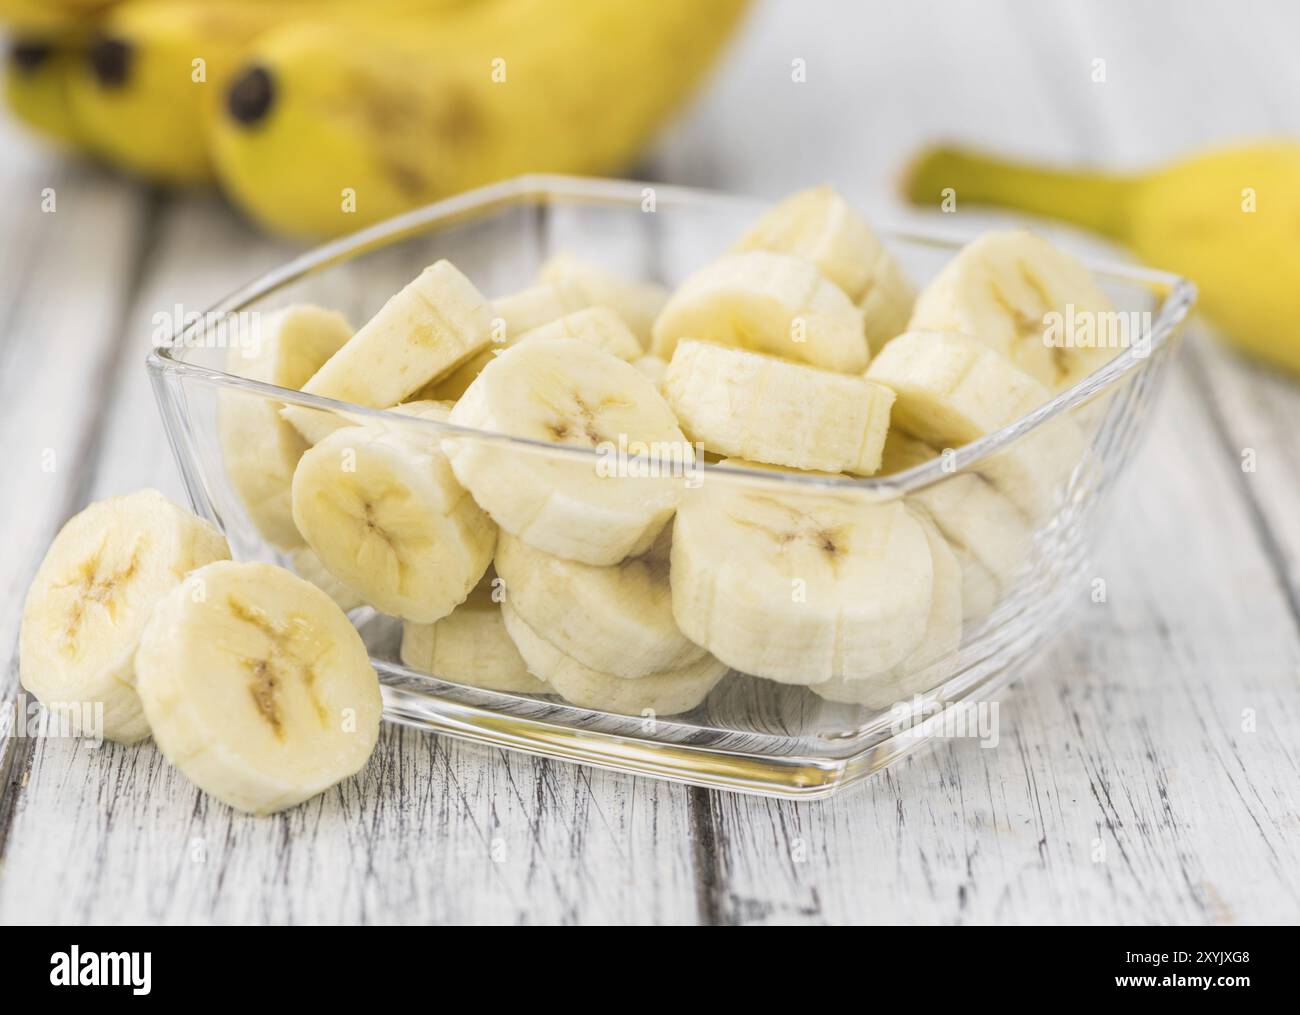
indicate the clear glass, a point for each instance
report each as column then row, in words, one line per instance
column 748, row 734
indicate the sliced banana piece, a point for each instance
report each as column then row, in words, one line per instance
column 933, row 660
column 431, row 326
column 772, row 303
column 382, row 510
column 658, row 694
column 512, row 316
column 616, row 619
column 257, row 687
column 94, row 592
column 799, row 586
column 654, row 368
column 971, row 514
column 953, row 389
column 470, row 646
column 596, row 508
column 818, row 225
column 598, row 326
column 260, row 450
column 766, row 409
column 584, row 284
column 1027, row 299
column 306, row 565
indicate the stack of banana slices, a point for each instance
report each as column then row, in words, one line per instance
column 591, row 488
column 595, row 555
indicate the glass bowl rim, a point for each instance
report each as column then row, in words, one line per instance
column 1178, row 296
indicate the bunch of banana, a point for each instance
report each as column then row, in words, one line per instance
column 319, row 116
column 1225, row 219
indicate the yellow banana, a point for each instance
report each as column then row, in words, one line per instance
column 1226, row 219
column 329, row 127
column 142, row 93
column 36, row 84
column 49, row 15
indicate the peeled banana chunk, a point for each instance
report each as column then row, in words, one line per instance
column 606, row 502
column 952, row 389
column 257, row 687
column 773, row 303
column 820, row 226
column 97, row 587
column 799, row 587
column 582, row 283
column 383, row 512
column 259, row 448
column 1028, row 300
column 616, row 619
column 766, row 409
column 933, row 660
column 669, row 693
column 471, row 646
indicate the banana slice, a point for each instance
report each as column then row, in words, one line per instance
column 933, row 660
column 953, row 389
column 512, row 316
column 434, row 324
column 797, row 586
column 257, row 687
column 598, row 326
column 307, row 565
column 385, row 515
column 970, row 513
column 594, row 508
column 470, row 646
column 583, row 284
column 261, row 450
column 654, row 368
column 616, row 619
column 772, row 303
column 1001, row 289
column 818, row 225
column 658, row 694
column 770, row 410
column 99, row 582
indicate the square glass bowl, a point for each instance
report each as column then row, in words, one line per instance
column 748, row 734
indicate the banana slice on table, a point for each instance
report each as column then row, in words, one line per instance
column 772, row 303
column 668, row 693
column 94, row 592
column 1002, row 287
column 766, row 409
column 799, row 586
column 470, row 646
column 953, row 389
column 386, row 516
column 598, row 326
column 433, row 325
column 259, row 448
column 596, row 508
column 257, row 687
column 616, row 619
column 512, row 316
column 584, row 284
column 974, row 518
column 933, row 660
column 818, row 225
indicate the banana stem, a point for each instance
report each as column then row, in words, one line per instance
column 1096, row 201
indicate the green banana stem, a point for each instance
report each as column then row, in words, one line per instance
column 1095, row 201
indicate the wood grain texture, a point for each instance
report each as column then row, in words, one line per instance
column 1127, row 785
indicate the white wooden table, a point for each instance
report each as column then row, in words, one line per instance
column 1126, row 787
